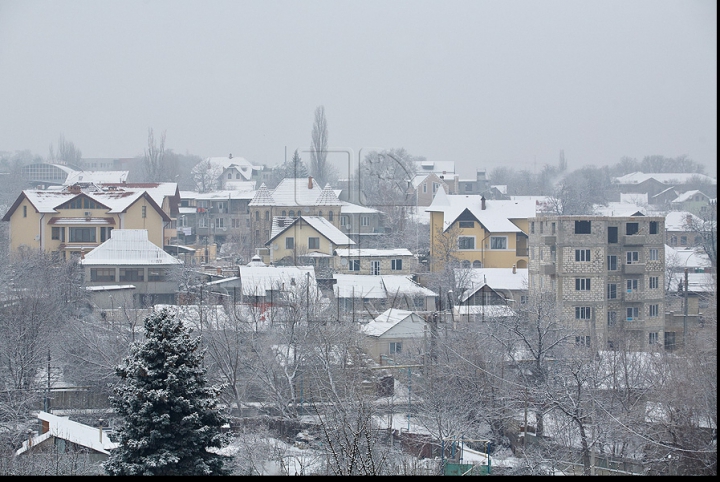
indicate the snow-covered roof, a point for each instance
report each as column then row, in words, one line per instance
column 244, row 166
column 96, row 177
column 390, row 319
column 226, row 194
column 678, row 221
column 686, row 196
column 495, row 278
column 110, row 288
column 240, row 185
column 437, row 167
column 350, row 208
column 491, row 311
column 304, row 191
column 502, row 188
column 320, row 224
column 495, row 217
column 664, row 177
column 369, row 252
column 619, row 209
column 129, row 247
column 64, row 428
column 686, row 258
column 377, row 286
column 256, row 280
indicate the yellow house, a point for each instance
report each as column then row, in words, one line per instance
column 75, row 221
column 310, row 238
column 478, row 233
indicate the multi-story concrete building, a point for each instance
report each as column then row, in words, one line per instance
column 606, row 273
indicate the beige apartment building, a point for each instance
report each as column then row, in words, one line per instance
column 607, row 273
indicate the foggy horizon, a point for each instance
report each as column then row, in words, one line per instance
column 483, row 84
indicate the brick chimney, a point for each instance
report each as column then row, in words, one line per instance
column 310, row 185
column 482, row 203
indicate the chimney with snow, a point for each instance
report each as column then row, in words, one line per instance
column 482, row 203
column 310, row 182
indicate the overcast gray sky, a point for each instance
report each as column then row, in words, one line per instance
column 481, row 83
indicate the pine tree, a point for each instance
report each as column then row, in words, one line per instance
column 170, row 416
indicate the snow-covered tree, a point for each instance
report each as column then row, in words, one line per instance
column 171, row 423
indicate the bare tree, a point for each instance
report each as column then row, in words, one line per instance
column 319, row 167
column 66, row 153
column 206, row 175
column 154, row 158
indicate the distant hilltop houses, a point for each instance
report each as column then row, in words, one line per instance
column 131, row 238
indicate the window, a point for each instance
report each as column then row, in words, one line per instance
column 683, row 240
column 221, row 207
column 144, row 211
column 331, row 216
column 237, row 176
column 523, row 299
column 320, row 213
column 82, row 235
column 612, row 318
column 612, row 263
column 498, row 242
column 424, row 187
column 582, row 340
column 632, row 257
column 131, row 274
column 229, row 175
column 582, row 284
column 283, row 213
column 673, row 240
column 267, row 215
column 291, row 213
column 542, row 223
column 257, row 215
column 290, row 243
column 631, row 228
column 257, row 235
column 24, row 211
column 365, row 220
column 375, row 267
column 467, row 224
column 652, row 338
column 104, row 234
column 632, row 314
column 343, row 220
column 396, row 264
column 395, row 347
column 466, row 242
column 582, row 227
column 669, row 340
column 203, row 222
column 219, row 222
column 612, row 234
column 653, row 227
column 552, row 228
column 654, row 310
column 354, row 265
column 654, row 282
column 532, row 227
column 156, row 274
column 477, row 264
column 612, row 291
column 436, row 185
column 314, row 243
column 632, row 285
column 102, row 274
column 654, row 254
column 582, row 255
column 58, row 233
column 583, row 312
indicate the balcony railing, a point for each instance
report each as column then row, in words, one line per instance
column 634, row 240
column 635, row 268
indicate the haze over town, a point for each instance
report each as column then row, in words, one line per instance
column 483, row 84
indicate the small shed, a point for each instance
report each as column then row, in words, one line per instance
column 395, row 333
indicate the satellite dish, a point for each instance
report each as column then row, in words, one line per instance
column 224, row 228
column 344, row 261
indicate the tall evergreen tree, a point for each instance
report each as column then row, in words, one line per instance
column 170, row 415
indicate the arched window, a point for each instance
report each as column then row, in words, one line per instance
column 477, row 264
column 257, row 215
column 292, row 213
column 330, row 216
column 320, row 213
column 465, row 264
column 284, row 213
column 267, row 215
column 229, row 175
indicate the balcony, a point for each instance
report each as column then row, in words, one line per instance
column 549, row 239
column 634, row 240
column 548, row 269
column 635, row 268
column 632, row 296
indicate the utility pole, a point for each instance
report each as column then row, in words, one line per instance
column 685, row 308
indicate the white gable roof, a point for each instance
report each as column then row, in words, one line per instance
column 320, row 224
column 495, row 217
column 128, row 247
column 689, row 194
column 75, row 432
column 664, row 177
column 678, row 220
column 256, row 280
column 377, row 287
column 399, row 323
column 370, row 252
